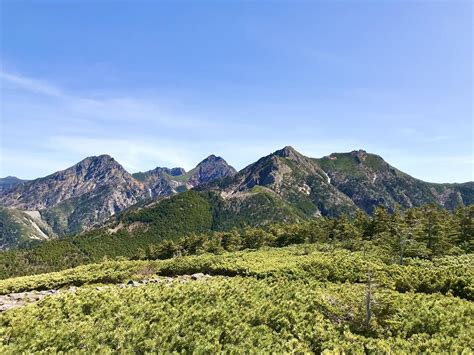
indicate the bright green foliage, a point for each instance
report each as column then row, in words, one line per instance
column 306, row 298
column 186, row 225
column 278, row 288
column 319, row 262
column 464, row 230
column 239, row 314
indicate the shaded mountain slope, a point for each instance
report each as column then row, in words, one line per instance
column 284, row 186
column 164, row 181
column 88, row 193
column 8, row 183
column 370, row 182
column 79, row 197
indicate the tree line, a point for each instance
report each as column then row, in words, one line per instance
column 423, row 232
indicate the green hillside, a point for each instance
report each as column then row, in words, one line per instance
column 284, row 186
column 197, row 222
column 306, row 298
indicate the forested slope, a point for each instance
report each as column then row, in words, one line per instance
column 190, row 223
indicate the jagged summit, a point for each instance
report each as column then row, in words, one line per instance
column 213, row 159
column 173, row 171
column 284, row 185
column 211, row 168
column 210, row 159
column 100, row 162
column 177, row 171
column 103, row 158
column 291, row 153
column 164, row 181
column 79, row 196
column 286, row 152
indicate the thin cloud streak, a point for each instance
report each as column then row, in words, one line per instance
column 142, row 134
column 33, row 85
column 109, row 109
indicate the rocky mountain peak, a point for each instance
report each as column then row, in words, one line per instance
column 88, row 177
column 160, row 170
column 99, row 169
column 287, row 152
column 102, row 162
column 292, row 154
column 177, row 171
column 212, row 159
column 360, row 155
column 165, row 181
column 211, row 168
column 96, row 159
column 10, row 178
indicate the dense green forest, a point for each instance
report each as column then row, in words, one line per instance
column 190, row 224
column 390, row 282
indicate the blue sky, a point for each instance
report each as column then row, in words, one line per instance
column 167, row 83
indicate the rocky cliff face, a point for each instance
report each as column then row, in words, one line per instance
column 210, row 169
column 283, row 186
column 8, row 183
column 370, row 182
column 165, row 181
column 88, row 193
column 79, row 197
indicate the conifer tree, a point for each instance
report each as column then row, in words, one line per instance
column 433, row 229
column 465, row 236
column 362, row 223
column 380, row 221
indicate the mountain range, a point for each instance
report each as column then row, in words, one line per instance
column 283, row 186
column 86, row 194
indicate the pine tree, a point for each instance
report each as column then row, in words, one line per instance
column 347, row 233
column 380, row 221
column 465, row 236
column 362, row 223
column 433, row 229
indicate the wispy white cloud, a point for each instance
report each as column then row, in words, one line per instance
column 33, row 85
column 133, row 153
column 45, row 134
column 108, row 108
